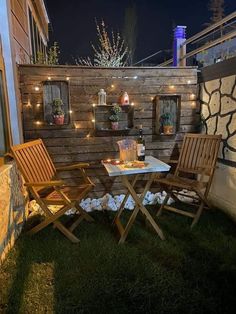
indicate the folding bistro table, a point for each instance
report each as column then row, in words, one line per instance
column 153, row 166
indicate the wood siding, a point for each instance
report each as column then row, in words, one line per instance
column 78, row 142
column 20, row 27
column 20, row 31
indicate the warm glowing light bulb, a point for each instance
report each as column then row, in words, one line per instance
column 94, row 105
column 93, row 120
column 38, row 122
column 108, row 160
column 67, row 78
column 112, row 85
column 172, row 86
column 70, row 111
column 132, row 104
column 38, row 105
column 36, row 88
column 88, row 135
column 49, row 78
column 189, row 82
column 192, row 96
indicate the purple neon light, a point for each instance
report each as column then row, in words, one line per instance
column 180, row 32
column 179, row 35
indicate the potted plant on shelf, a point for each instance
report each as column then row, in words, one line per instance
column 167, row 123
column 115, row 117
column 57, row 111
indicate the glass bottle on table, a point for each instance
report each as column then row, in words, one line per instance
column 140, row 145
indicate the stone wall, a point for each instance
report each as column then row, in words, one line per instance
column 13, row 200
column 218, row 103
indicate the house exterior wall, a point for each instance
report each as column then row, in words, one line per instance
column 218, row 105
column 15, row 48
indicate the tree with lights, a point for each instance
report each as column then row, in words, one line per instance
column 110, row 52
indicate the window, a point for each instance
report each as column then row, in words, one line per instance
column 5, row 136
column 38, row 48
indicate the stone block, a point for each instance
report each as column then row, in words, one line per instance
column 215, row 103
column 213, row 85
column 227, row 84
column 227, row 105
column 13, row 201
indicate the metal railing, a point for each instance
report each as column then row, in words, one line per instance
column 220, row 25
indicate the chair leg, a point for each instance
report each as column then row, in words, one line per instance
column 50, row 218
column 159, row 212
column 66, row 232
column 76, row 223
column 198, row 214
column 83, row 213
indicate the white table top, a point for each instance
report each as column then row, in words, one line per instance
column 154, row 165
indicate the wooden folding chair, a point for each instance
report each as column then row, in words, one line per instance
column 41, row 178
column 198, row 157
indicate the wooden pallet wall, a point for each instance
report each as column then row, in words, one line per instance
column 77, row 141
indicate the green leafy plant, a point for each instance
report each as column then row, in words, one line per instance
column 51, row 57
column 166, row 119
column 115, row 113
column 53, row 54
column 57, row 107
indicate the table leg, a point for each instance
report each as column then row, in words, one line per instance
column 122, row 206
column 138, row 202
column 125, row 232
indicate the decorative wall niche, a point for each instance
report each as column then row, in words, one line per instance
column 102, row 123
column 167, row 114
column 55, row 90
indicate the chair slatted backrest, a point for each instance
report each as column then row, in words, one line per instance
column 199, row 154
column 34, row 161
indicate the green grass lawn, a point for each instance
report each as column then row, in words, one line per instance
column 192, row 271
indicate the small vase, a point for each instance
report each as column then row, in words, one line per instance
column 114, row 125
column 59, row 120
column 168, row 129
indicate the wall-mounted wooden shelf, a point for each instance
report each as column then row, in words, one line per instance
column 102, row 123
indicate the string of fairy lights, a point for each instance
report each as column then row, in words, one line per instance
column 37, row 88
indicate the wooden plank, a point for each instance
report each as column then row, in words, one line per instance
column 18, row 11
column 109, row 72
column 114, row 83
column 19, row 34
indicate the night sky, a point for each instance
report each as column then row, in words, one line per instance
column 73, row 22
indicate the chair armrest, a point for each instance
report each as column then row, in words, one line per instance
column 73, row 167
column 46, row 183
column 171, row 161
